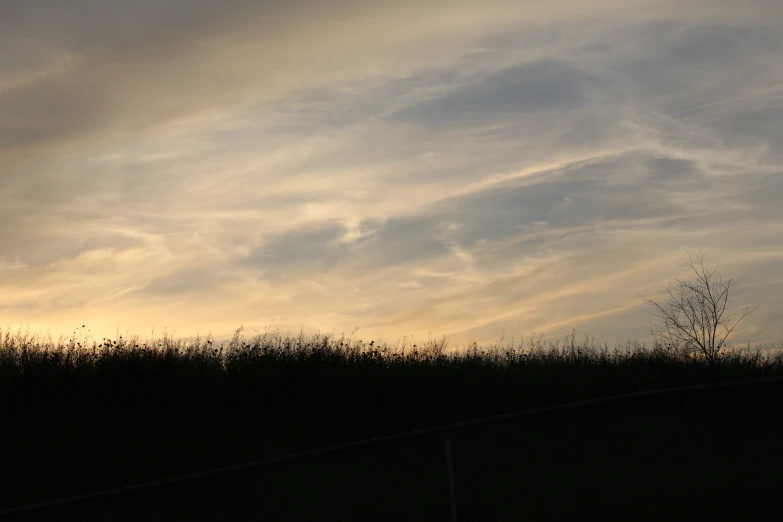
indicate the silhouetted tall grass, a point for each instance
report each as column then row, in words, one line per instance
column 84, row 416
column 529, row 374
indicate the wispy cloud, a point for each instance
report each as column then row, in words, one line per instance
column 405, row 168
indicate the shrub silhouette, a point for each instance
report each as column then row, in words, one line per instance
column 694, row 314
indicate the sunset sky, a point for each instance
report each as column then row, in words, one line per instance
column 407, row 168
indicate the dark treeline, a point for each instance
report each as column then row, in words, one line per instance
column 79, row 418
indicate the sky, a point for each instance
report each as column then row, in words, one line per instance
column 410, row 169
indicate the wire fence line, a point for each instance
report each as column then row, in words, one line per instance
column 446, row 430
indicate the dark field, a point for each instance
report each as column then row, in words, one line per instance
column 79, row 419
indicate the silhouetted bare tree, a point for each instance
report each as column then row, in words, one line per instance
column 694, row 314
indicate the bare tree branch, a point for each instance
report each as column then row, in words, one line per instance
column 693, row 313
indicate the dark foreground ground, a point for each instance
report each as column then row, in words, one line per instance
column 707, row 455
column 75, row 420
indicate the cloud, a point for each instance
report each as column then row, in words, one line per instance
column 402, row 167
column 540, row 86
